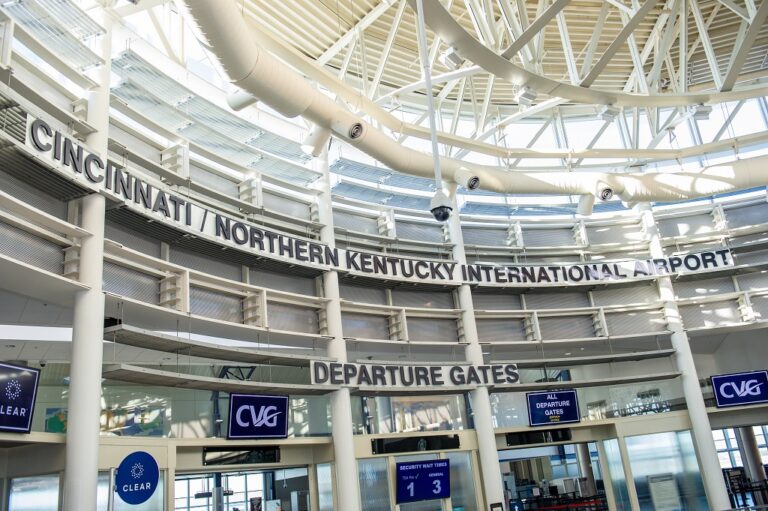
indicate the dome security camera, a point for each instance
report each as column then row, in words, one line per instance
column 440, row 206
column 43, row 363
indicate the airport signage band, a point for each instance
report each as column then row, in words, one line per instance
column 423, row 480
column 740, row 389
column 385, row 375
column 254, row 416
column 18, row 389
column 160, row 203
column 553, row 407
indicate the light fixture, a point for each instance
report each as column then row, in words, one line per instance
column 608, row 112
column 451, row 59
column 701, row 112
column 525, row 96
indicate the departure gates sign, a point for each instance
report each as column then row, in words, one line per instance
column 555, row 407
column 740, row 388
column 423, row 480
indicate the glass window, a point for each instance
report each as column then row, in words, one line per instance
column 374, row 484
column 155, row 503
column 324, row 487
column 36, row 493
column 462, row 481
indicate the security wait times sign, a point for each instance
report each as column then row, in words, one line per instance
column 423, row 480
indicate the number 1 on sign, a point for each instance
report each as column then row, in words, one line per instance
column 410, row 488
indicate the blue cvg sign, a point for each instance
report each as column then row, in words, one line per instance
column 740, row 388
column 18, row 388
column 423, row 480
column 252, row 416
column 554, row 407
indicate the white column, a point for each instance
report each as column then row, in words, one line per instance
column 82, row 450
column 347, row 479
column 629, row 477
column 750, row 453
column 493, row 488
column 701, row 429
column 585, row 468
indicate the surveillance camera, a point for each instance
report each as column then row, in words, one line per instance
column 604, row 191
column 43, row 363
column 467, row 179
column 440, row 206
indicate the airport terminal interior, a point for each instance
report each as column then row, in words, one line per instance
column 373, row 255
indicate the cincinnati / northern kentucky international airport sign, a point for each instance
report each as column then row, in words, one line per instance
column 161, row 203
column 385, row 375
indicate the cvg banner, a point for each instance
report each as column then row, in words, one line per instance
column 18, row 389
column 379, row 375
column 253, row 416
column 556, row 407
column 165, row 205
column 740, row 388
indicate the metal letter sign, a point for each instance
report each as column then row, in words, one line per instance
column 18, row 387
column 555, row 407
column 740, row 388
column 137, row 478
column 252, row 416
column 423, row 480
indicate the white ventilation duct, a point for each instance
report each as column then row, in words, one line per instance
column 227, row 36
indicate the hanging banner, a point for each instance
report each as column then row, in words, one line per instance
column 137, row 477
column 252, row 416
column 552, row 407
column 423, row 480
column 100, row 174
column 740, row 388
column 17, row 397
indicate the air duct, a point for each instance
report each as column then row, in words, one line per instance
column 251, row 68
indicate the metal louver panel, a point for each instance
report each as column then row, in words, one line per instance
column 501, row 330
column 292, row 318
column 703, row 287
column 218, row 183
column 747, row 215
column 419, row 231
column 215, row 305
column 33, row 196
column 432, row 300
column 132, row 239
column 365, row 326
column 686, row 225
column 570, row 327
column 283, row 282
column 710, row 314
column 286, row 206
column 756, row 257
column 611, row 234
column 363, row 294
column 487, row 301
column 571, row 300
column 432, row 330
column 354, row 222
column 30, row 249
column 760, row 307
column 547, row 237
column 198, row 262
column 488, row 236
column 751, row 281
column 635, row 322
column 645, row 292
column 131, row 283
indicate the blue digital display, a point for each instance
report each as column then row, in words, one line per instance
column 18, row 389
column 137, row 477
column 423, row 480
column 554, row 407
column 252, row 416
column 740, row 388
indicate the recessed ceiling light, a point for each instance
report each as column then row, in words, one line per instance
column 10, row 345
column 568, row 354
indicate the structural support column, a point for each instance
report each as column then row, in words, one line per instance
column 493, row 487
column 84, row 407
column 700, row 427
column 750, row 453
column 585, row 468
column 347, row 479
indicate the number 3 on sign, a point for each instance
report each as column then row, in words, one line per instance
column 437, row 489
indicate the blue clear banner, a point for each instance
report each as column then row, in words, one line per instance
column 423, row 480
column 740, row 388
column 137, row 477
column 18, row 389
column 253, row 416
column 553, row 407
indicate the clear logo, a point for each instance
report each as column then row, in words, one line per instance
column 13, row 390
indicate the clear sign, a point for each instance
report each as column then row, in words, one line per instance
column 254, row 416
column 18, row 388
column 137, row 477
column 740, row 388
column 423, row 480
column 554, row 407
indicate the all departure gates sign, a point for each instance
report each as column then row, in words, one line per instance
column 164, row 204
column 423, row 480
column 554, row 407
